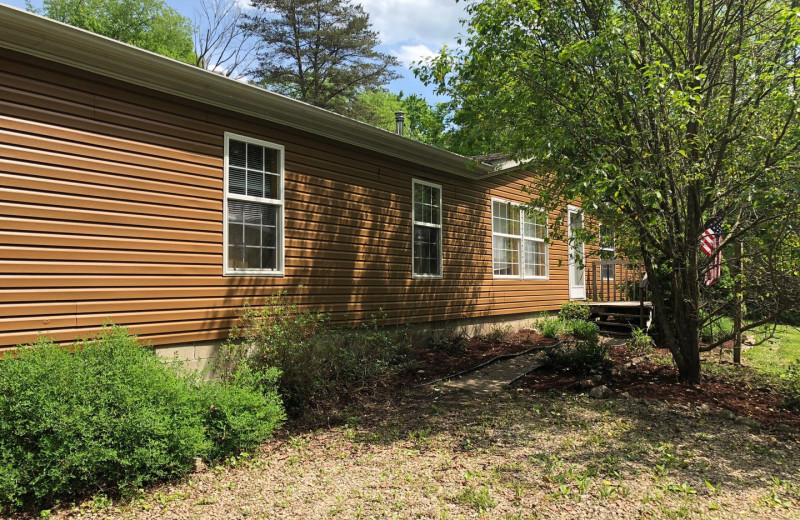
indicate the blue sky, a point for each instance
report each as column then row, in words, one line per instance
column 410, row 30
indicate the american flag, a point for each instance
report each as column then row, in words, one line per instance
column 709, row 244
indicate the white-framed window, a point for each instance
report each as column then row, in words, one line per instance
column 253, row 207
column 606, row 251
column 426, row 232
column 519, row 249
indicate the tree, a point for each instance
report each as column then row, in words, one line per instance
column 148, row 24
column 318, row 51
column 663, row 117
column 221, row 43
column 423, row 122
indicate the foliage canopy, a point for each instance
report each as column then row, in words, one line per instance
column 662, row 117
column 148, row 24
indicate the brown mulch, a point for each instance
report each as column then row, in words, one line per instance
column 651, row 380
column 434, row 363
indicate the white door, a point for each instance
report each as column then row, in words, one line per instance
column 577, row 280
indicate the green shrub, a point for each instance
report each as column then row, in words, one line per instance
column 240, row 412
column 791, row 386
column 112, row 415
column 553, row 328
column 584, row 330
column 316, row 360
column 449, row 340
column 574, row 311
column 584, row 356
column 640, row 342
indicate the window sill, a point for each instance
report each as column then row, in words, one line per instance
column 254, row 272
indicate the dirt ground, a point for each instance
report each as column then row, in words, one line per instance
column 542, row 449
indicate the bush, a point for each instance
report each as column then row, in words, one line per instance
column 113, row 415
column 791, row 386
column 584, row 330
column 584, row 356
column 450, row 340
column 640, row 342
column 574, row 311
column 553, row 328
column 315, row 359
column 241, row 412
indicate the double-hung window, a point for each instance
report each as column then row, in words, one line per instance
column 426, row 230
column 253, row 207
column 519, row 249
column 606, row 250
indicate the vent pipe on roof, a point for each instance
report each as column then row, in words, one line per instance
column 400, row 118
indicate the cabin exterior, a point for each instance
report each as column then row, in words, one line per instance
column 143, row 191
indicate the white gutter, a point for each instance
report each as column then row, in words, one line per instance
column 35, row 35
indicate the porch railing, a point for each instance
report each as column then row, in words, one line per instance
column 616, row 280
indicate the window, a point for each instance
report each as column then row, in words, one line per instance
column 253, row 206
column 426, row 229
column 518, row 241
column 606, row 250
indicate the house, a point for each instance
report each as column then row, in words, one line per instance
column 150, row 193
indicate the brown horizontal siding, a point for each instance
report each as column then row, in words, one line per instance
column 111, row 209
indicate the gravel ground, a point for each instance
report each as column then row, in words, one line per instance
column 447, row 454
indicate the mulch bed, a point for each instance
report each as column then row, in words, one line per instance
column 647, row 379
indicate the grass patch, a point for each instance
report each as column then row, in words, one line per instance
column 774, row 355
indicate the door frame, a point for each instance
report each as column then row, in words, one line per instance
column 576, row 292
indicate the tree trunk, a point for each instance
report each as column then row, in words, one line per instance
column 677, row 319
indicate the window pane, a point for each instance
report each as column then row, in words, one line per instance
column 269, row 258
column 271, row 159
column 255, row 157
column 237, row 153
column 269, row 214
column 271, row 187
column 534, row 258
column 235, row 211
column 427, row 242
column 255, row 183
column 235, row 234
column 252, row 235
column 252, row 258
column 506, row 256
column 235, row 257
column 506, row 218
column 236, row 181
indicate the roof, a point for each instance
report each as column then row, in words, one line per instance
column 36, row 35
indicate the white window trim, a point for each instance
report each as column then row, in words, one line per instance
column 280, row 228
column 522, row 239
column 414, row 222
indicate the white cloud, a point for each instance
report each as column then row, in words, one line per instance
column 431, row 23
column 408, row 53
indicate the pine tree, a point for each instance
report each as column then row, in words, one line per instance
column 322, row 52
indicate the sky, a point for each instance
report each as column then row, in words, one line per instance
column 409, row 29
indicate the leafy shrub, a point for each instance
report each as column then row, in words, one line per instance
column 640, row 342
column 791, row 386
column 112, row 415
column 240, row 412
column 315, row 359
column 574, row 311
column 499, row 333
column 584, row 330
column 553, row 328
column 584, row 356
column 449, row 340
